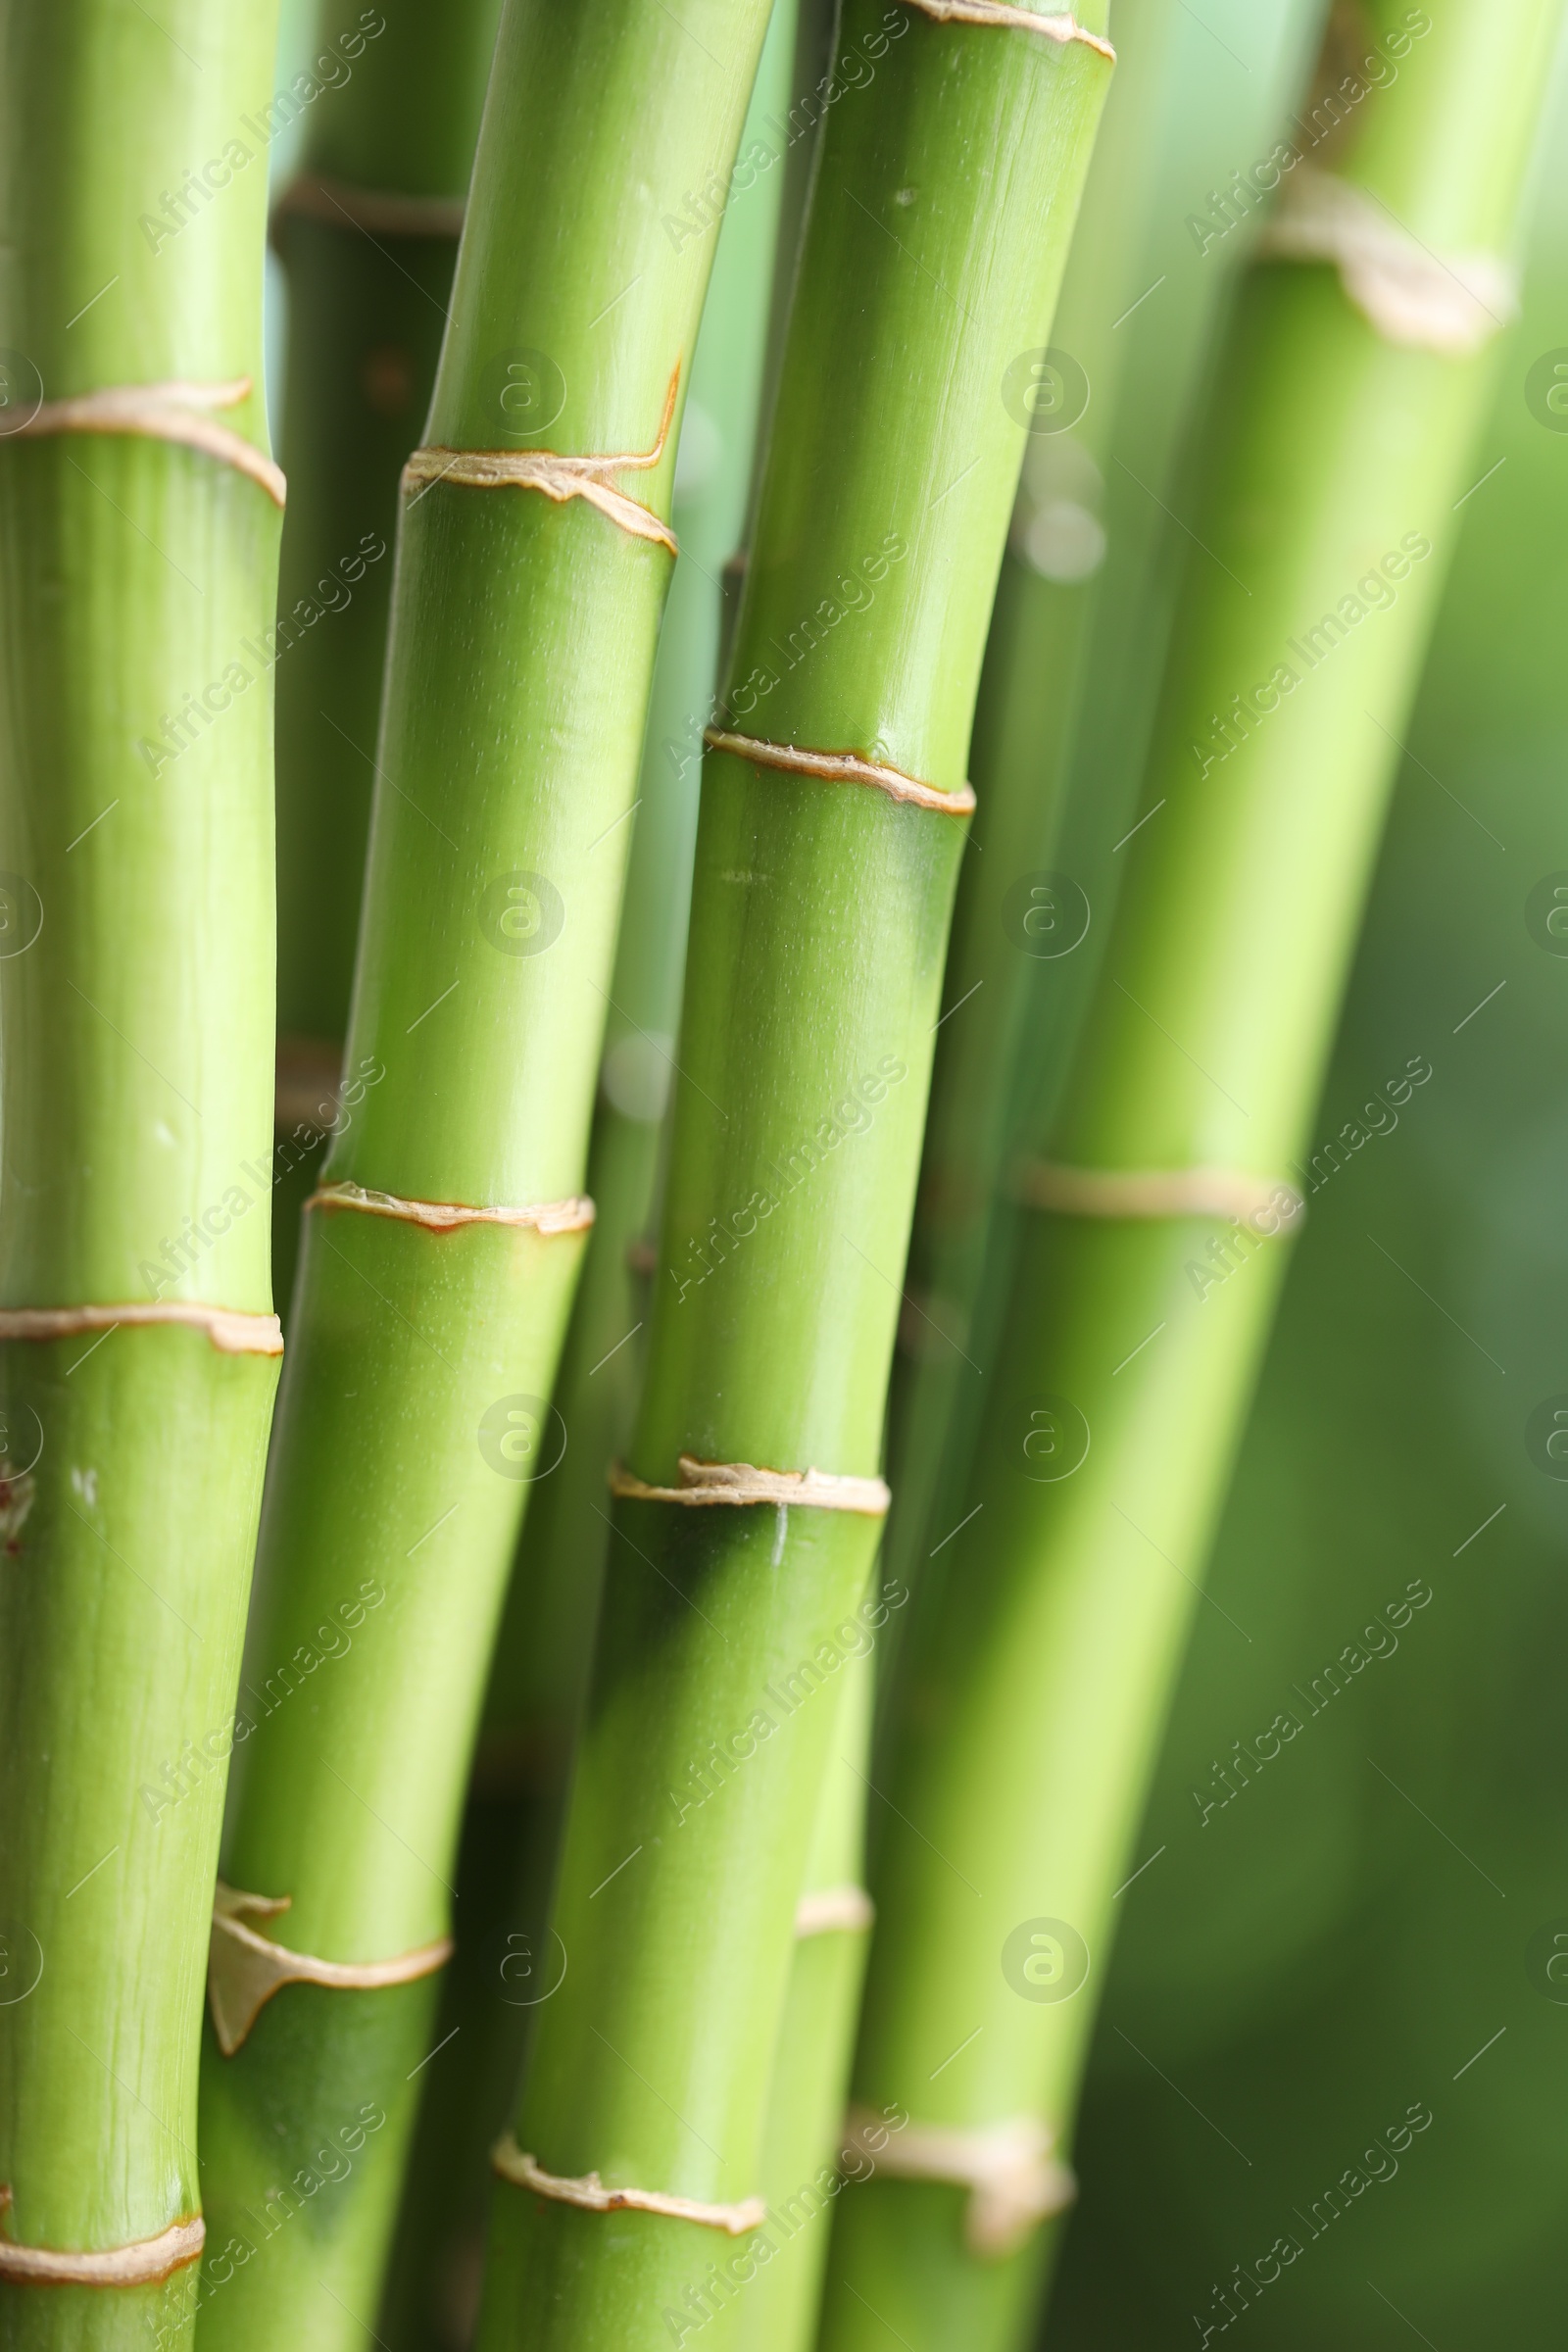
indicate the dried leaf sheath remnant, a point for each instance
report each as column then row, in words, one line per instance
column 244, row 1969
column 170, row 412
column 1452, row 304
column 559, row 477
column 1014, row 2182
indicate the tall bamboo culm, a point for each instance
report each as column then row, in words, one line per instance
column 367, row 230
column 833, row 799
column 1036, row 1689
column 139, row 516
column 513, row 1821
column 1078, row 639
column 533, row 556
column 1084, row 597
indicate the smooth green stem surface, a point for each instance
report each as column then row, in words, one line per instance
column 1078, row 638
column 414, row 1420
column 953, row 159
column 1037, row 1686
column 135, row 1040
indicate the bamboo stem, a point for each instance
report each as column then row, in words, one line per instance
column 138, row 1353
column 946, row 185
column 413, row 1423
column 367, row 231
column 1338, row 451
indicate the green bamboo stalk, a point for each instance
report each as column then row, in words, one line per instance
column 1078, row 641
column 1036, row 1693
column 367, row 230
column 438, row 1265
column 539, row 1671
column 946, row 189
column 805, row 2131
column 138, row 1353
column 542, row 1656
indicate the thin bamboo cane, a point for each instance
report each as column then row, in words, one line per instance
column 1078, row 639
column 438, row 1265
column 804, row 2132
column 139, row 1355
column 1063, row 689
column 1035, row 1696
column 946, row 189
column 540, row 1667
column 367, row 230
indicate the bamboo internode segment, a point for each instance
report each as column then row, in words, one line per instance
column 741, row 1482
column 828, row 1909
column 1452, row 304
column 842, row 768
column 1160, row 1192
column 559, row 477
column 380, row 212
column 1059, row 26
column 244, row 1970
column 171, row 411
column 141, row 2264
column 592, row 2196
column 1014, row 2182
column 440, row 1217
column 230, row 1332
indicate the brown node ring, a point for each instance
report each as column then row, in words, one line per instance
column 167, row 412
column 442, row 1216
column 590, row 2196
column 1013, row 2179
column 1138, row 1194
column 379, row 212
column 704, row 1483
column 842, row 768
column 142, row 2263
column 1059, row 25
column 231, row 1332
column 560, row 477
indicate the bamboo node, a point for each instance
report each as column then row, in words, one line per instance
column 169, row 412
column 231, row 1332
column 1451, row 304
column 441, row 1216
column 560, row 477
column 244, row 1970
column 1014, row 2182
column 1058, row 25
column 142, row 2263
column 590, row 2194
column 842, row 768
column 1148, row 1192
column 314, row 196
column 704, row 1483
column 828, row 1909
